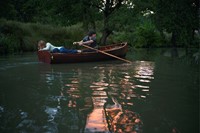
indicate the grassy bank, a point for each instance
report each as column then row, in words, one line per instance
column 17, row 37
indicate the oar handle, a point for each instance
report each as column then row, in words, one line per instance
column 107, row 53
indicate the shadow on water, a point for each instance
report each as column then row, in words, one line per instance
column 156, row 93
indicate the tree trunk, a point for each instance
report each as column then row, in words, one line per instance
column 162, row 34
column 174, row 39
column 174, row 52
column 106, row 32
column 110, row 7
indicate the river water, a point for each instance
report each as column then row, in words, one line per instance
column 157, row 93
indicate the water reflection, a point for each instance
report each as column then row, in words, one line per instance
column 100, row 97
column 96, row 121
column 106, row 102
column 96, row 98
column 122, row 92
column 102, row 101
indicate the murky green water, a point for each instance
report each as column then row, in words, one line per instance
column 157, row 93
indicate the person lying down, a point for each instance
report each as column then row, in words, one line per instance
column 42, row 45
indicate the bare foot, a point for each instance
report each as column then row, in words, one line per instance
column 79, row 51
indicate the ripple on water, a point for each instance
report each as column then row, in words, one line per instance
column 103, row 98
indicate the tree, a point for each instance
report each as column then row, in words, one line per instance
column 89, row 14
column 106, row 7
column 7, row 9
column 109, row 7
column 179, row 17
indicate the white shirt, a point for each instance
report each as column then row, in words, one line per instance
column 50, row 47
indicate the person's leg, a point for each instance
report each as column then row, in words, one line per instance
column 55, row 50
column 64, row 50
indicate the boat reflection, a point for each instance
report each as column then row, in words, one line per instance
column 96, row 121
column 80, row 103
column 122, row 120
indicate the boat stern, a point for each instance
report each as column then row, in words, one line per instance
column 44, row 56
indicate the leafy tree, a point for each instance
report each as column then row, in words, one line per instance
column 179, row 17
column 107, row 7
column 7, row 9
column 146, row 34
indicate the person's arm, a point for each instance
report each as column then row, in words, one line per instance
column 86, row 42
column 77, row 42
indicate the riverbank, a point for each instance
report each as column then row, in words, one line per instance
column 17, row 37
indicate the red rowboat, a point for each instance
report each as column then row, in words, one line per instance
column 119, row 50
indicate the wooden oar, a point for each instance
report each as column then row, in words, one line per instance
column 106, row 53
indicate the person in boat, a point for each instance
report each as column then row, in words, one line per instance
column 42, row 45
column 89, row 40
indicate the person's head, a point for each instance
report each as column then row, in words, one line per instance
column 41, row 44
column 92, row 34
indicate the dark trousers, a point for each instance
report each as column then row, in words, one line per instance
column 64, row 50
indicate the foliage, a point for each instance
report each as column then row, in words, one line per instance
column 107, row 8
column 146, row 35
column 166, row 22
column 18, row 37
column 178, row 17
column 11, row 44
column 141, row 34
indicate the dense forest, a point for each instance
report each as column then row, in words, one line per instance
column 142, row 23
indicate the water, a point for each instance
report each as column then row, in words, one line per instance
column 157, row 93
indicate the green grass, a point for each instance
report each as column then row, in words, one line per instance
column 18, row 37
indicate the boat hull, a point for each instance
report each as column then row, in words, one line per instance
column 119, row 50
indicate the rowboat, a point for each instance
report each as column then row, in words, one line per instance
column 118, row 50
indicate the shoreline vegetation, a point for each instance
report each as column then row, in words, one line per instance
column 18, row 37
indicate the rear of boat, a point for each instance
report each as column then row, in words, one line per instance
column 45, row 56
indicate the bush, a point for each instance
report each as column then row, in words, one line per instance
column 118, row 37
column 18, row 37
column 9, row 44
column 142, row 33
column 146, row 35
